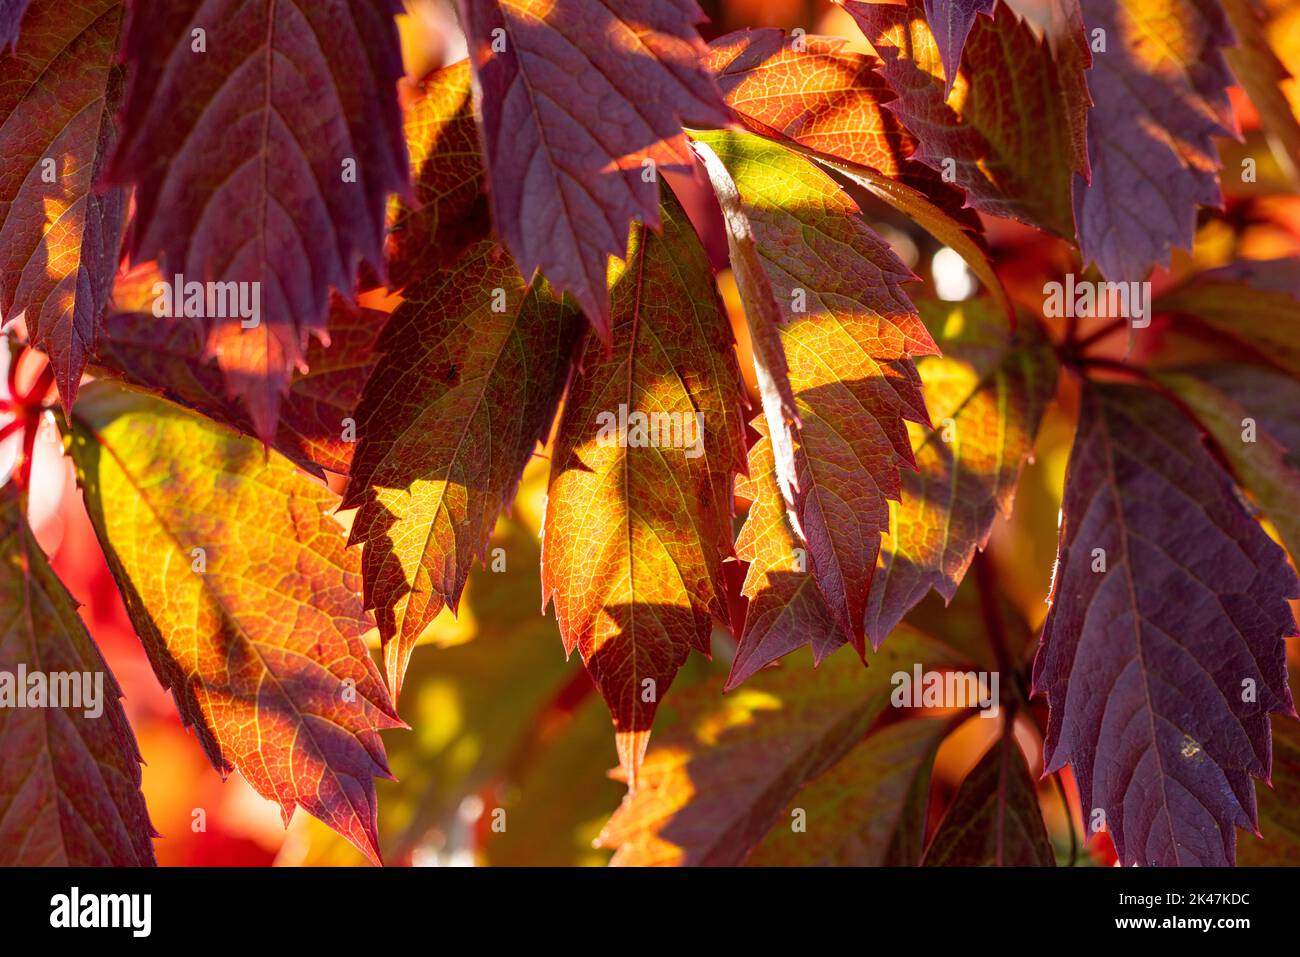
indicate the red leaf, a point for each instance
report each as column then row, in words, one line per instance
column 994, row 821
column 1161, row 670
column 246, row 599
column 239, row 155
column 849, row 334
column 636, row 530
column 1160, row 97
column 1008, row 167
column 576, row 95
column 69, row 782
column 167, row 356
column 473, row 366
column 450, row 209
column 829, row 99
column 59, row 235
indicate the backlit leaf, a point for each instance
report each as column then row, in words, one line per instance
column 869, row 810
column 246, row 598
column 450, row 210
column 1008, row 167
column 762, row 316
column 472, row 367
column 1254, row 416
column 849, row 332
column 1261, row 312
column 1160, row 671
column 994, row 820
column 576, row 97
column 637, row 527
column 69, row 780
column 1159, row 93
column 168, row 356
column 987, row 394
column 720, row 774
column 829, row 99
column 263, row 139
column 950, row 22
column 59, row 232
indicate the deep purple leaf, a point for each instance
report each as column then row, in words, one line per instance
column 1160, row 96
column 950, row 21
column 241, row 156
column 1161, row 670
column 576, row 96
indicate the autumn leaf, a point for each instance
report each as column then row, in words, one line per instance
column 1279, row 805
column 245, row 597
column 763, row 318
column 1259, row 310
column 474, row 693
column 869, row 810
column 637, row 526
column 1007, row 167
column 824, row 97
column 994, row 820
column 719, row 775
column 59, row 232
column 950, row 22
column 581, row 102
column 1159, row 94
column 1162, row 654
column 786, row 610
column 450, row 208
column 849, row 332
column 1252, row 415
column 316, row 428
column 294, row 197
column 988, row 393
column 830, row 103
column 69, row 778
column 472, row 367
column 818, row 93
column 1265, row 80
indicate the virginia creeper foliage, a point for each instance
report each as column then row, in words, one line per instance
column 702, row 354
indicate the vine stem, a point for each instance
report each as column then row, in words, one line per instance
column 986, row 583
column 1115, row 325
